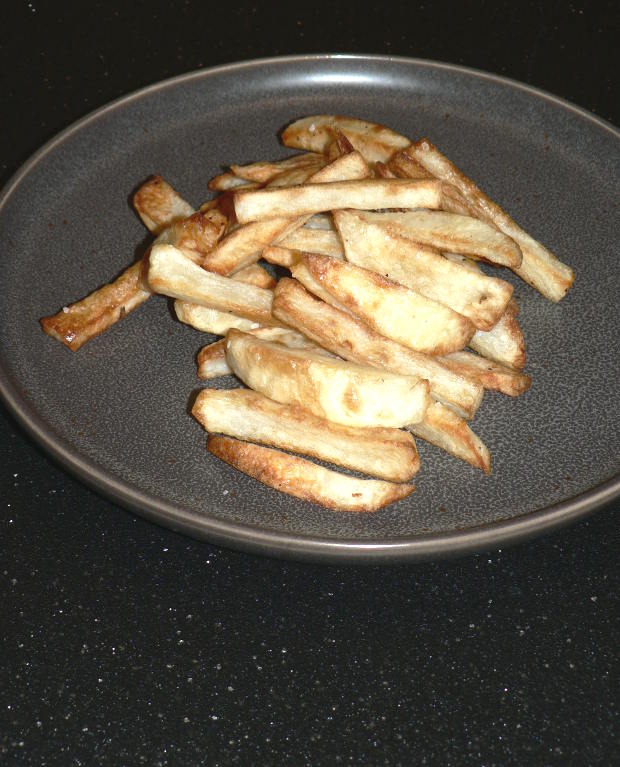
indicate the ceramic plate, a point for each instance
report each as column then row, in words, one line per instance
column 115, row 413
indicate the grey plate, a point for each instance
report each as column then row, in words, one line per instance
column 115, row 413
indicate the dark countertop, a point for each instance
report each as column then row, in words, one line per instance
column 125, row 643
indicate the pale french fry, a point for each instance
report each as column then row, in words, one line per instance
column 174, row 275
column 224, row 182
column 320, row 221
column 209, row 320
column 76, row 324
column 390, row 308
column 294, row 176
column 539, row 267
column 324, row 241
column 346, row 393
column 504, row 343
column 369, row 194
column 159, row 205
column 489, row 374
column 265, row 171
column 211, row 359
column 355, row 341
column 255, row 275
column 373, row 242
column 280, row 256
column 303, row 275
column 386, row 453
column 245, row 244
column 316, row 133
column 452, row 232
column 306, row 480
column 445, row 429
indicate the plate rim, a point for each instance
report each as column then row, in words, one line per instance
column 257, row 540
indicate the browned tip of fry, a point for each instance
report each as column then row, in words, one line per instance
column 306, row 480
column 158, row 204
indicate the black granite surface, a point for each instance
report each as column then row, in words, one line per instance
column 123, row 643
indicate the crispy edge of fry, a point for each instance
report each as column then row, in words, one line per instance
column 306, row 480
column 390, row 454
column 362, row 291
column 344, row 392
column 488, row 373
column 443, row 428
column 352, row 339
column 159, row 205
column 539, row 267
column 315, row 198
column 76, row 324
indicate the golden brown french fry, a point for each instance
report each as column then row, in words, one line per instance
column 175, row 275
column 386, row 453
column 244, row 245
column 324, row 241
column 76, row 324
column 346, row 393
column 391, row 309
column 489, row 374
column 196, row 234
column 159, row 205
column 445, row 429
column 372, row 242
column 279, row 256
column 355, row 341
column 211, row 358
column 539, row 267
column 306, row 480
column 339, row 146
column 369, row 194
column 316, row 133
column 265, row 171
column 451, row 232
column 504, row 343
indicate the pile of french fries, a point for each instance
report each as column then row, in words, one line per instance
column 386, row 329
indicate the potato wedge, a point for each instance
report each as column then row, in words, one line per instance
column 373, row 242
column 174, row 275
column 306, row 480
column 352, row 339
column 445, row 429
column 369, row 194
column 317, row 132
column 489, row 374
column 244, row 414
column 159, row 205
column 452, row 232
column 391, row 309
column 340, row 391
column 539, row 266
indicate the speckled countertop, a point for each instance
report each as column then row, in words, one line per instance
column 124, row 643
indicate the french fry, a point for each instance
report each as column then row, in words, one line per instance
column 196, row 234
column 280, row 256
column 373, row 242
column 241, row 413
column 539, row 267
column 452, row 232
column 390, row 308
column 369, row 194
column 324, row 241
column 159, row 205
column 174, row 275
column 306, row 480
column 209, row 320
column 489, row 374
column 353, row 395
column 504, row 343
column 445, row 429
column 255, row 275
column 244, row 245
column 355, row 341
column 316, row 133
column 224, row 182
column 211, row 359
column 320, row 221
column 265, row 171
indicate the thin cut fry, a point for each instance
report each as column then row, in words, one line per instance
column 306, row 480
column 386, row 453
column 265, row 171
column 159, row 205
column 372, row 242
column 343, row 392
column 445, row 429
column 316, row 133
column 539, row 267
column 355, row 341
column 390, row 308
column 489, row 374
column 369, row 194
